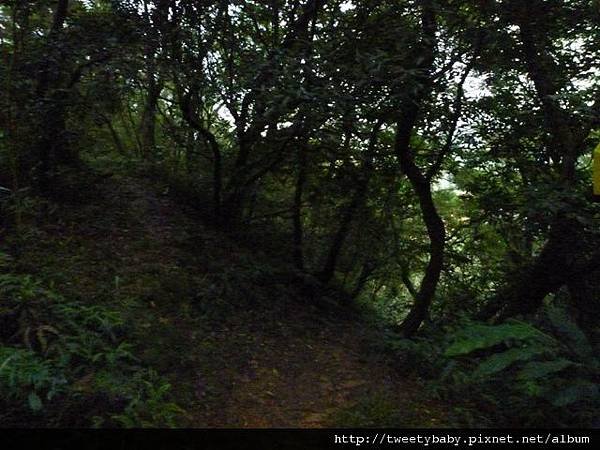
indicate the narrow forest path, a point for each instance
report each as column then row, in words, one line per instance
column 239, row 348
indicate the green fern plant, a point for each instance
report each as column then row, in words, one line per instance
column 147, row 398
column 52, row 347
column 542, row 369
column 26, row 376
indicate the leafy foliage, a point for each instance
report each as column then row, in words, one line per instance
column 518, row 365
column 56, row 353
column 480, row 336
column 24, row 375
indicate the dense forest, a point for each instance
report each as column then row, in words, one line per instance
column 299, row 213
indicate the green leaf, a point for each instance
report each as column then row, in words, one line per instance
column 539, row 369
column 501, row 361
column 581, row 390
column 531, row 388
column 35, row 403
column 571, row 335
column 480, row 336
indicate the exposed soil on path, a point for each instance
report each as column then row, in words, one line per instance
column 240, row 348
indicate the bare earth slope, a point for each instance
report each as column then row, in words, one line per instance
column 241, row 349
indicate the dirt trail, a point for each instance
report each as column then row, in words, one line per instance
column 239, row 351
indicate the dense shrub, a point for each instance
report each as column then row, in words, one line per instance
column 511, row 374
column 56, row 354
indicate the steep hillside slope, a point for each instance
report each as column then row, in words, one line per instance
column 241, row 344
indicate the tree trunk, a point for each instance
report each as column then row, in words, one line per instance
column 326, row 274
column 148, row 122
column 565, row 259
column 437, row 237
column 297, row 209
column 189, row 111
column 584, row 290
column 341, row 234
column 115, row 136
column 52, row 116
column 555, row 266
column 366, row 271
column 421, row 183
column 297, row 42
column 550, row 270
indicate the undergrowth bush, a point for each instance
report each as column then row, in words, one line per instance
column 56, row 354
column 511, row 374
column 24, row 375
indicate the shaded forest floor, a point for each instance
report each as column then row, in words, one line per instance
column 240, row 347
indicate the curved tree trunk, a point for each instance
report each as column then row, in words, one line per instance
column 436, row 232
column 420, row 182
